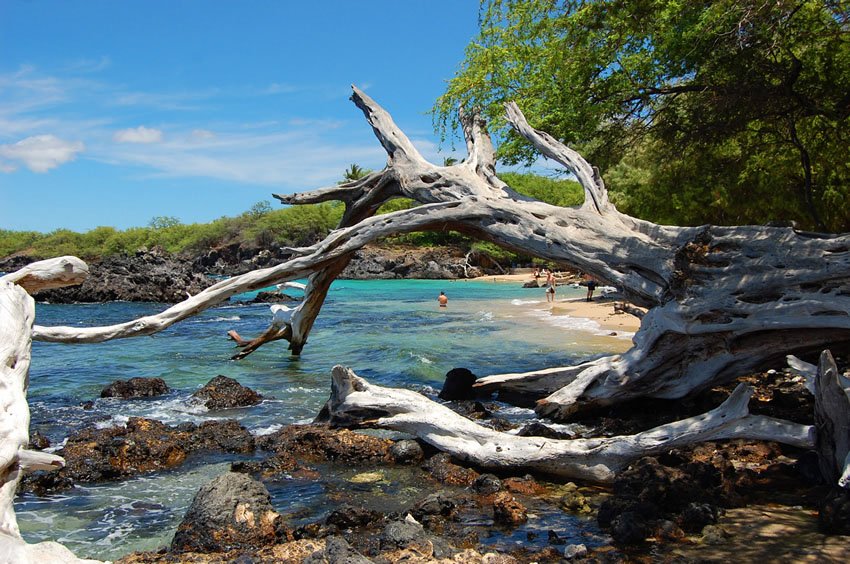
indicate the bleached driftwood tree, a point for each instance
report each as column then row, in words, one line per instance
column 355, row 402
column 17, row 312
column 722, row 301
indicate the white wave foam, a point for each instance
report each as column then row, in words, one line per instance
column 571, row 323
column 268, row 430
column 518, row 302
column 420, row 358
column 60, row 446
column 218, row 319
column 113, row 421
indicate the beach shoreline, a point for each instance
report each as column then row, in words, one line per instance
column 600, row 309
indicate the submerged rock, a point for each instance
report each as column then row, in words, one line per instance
column 135, row 388
column 231, row 512
column 348, row 517
column 224, row 393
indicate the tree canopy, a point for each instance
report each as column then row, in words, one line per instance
column 719, row 111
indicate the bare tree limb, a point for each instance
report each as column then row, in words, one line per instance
column 355, row 402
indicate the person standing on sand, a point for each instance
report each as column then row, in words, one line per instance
column 443, row 300
column 550, row 287
column 590, row 282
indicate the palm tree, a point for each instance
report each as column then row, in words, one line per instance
column 354, row 172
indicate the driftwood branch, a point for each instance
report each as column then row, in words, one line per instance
column 721, row 301
column 51, row 273
column 355, row 402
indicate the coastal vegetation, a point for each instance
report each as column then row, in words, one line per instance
column 726, row 112
column 263, row 227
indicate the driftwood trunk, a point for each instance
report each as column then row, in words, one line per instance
column 17, row 312
column 355, row 402
column 722, row 301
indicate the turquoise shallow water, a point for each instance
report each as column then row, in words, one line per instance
column 390, row 332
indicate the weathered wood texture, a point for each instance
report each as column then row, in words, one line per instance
column 723, row 301
column 17, row 312
column 51, row 273
column 355, row 402
column 832, row 419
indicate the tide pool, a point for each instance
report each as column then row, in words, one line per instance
column 391, row 332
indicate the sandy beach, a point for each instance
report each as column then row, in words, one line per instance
column 600, row 310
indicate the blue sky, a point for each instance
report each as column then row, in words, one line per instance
column 115, row 112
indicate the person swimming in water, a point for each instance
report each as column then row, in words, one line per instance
column 443, row 299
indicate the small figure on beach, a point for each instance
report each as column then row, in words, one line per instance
column 550, row 287
column 591, row 284
column 443, row 299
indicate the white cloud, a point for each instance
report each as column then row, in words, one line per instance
column 89, row 65
column 40, row 153
column 202, row 135
column 283, row 160
column 139, row 134
column 276, row 88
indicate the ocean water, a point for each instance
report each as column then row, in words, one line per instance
column 391, row 332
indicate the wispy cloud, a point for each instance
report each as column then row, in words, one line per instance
column 89, row 65
column 40, row 153
column 201, row 135
column 285, row 152
column 275, row 88
column 284, row 160
column 139, row 134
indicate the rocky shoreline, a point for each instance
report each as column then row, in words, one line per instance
column 156, row 276
column 663, row 508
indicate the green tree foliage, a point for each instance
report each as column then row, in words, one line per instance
column 722, row 111
column 557, row 192
column 163, row 222
column 260, row 226
column 354, row 172
column 12, row 242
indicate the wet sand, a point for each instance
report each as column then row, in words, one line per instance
column 600, row 310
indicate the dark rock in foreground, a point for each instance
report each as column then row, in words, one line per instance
column 223, row 393
column 135, row 388
column 231, row 512
column 834, row 512
column 458, row 385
